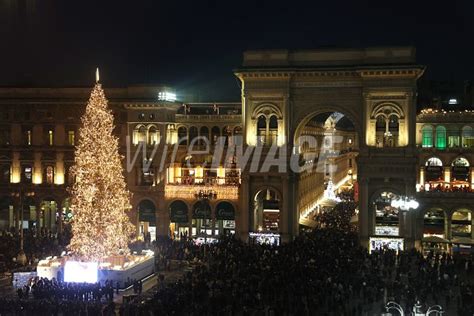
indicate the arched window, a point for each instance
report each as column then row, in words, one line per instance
column 460, row 173
column 153, row 135
column 266, row 211
column 433, row 170
column 261, row 130
column 433, row 224
column 139, row 134
column 193, row 134
column 215, row 133
column 393, row 124
column 182, row 135
column 380, row 124
column 441, row 137
column 467, row 137
column 227, row 133
column 461, row 223
column 204, row 133
column 427, row 136
column 273, row 130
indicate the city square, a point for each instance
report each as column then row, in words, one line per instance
column 279, row 180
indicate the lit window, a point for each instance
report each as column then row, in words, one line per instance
column 49, row 175
column 27, row 174
column 427, row 136
column 28, row 137
column 440, row 137
column 453, row 101
column 71, row 137
column 50, row 138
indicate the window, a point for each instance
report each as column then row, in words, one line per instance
column 467, row 137
column 261, row 130
column 139, row 134
column 49, row 174
column 427, row 136
column 215, row 134
column 182, row 135
column 441, row 137
column 273, row 130
column 50, row 138
column 28, row 137
column 27, row 175
column 153, row 135
column 71, row 138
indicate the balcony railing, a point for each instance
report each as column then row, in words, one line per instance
column 222, row 192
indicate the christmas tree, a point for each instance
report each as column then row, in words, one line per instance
column 100, row 199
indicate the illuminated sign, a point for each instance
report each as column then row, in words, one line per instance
column 80, row 272
column 386, row 230
column 266, row 238
column 166, row 96
column 376, row 243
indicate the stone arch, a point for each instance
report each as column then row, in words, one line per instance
column 267, row 109
column 386, row 109
column 303, row 119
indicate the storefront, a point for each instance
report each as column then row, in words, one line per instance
column 386, row 216
column 434, row 232
column 393, row 243
column 202, row 219
column 225, row 218
column 179, row 220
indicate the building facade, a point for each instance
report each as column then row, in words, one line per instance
column 262, row 165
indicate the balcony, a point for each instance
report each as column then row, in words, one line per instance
column 187, row 187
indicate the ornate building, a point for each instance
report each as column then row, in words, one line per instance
column 308, row 120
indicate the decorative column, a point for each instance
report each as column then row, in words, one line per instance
column 447, row 175
column 422, row 177
column 471, row 172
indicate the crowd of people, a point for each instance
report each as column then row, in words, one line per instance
column 323, row 272
column 37, row 244
column 41, row 296
column 446, row 188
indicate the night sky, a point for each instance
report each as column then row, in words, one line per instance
column 195, row 45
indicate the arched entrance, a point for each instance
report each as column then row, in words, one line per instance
column 327, row 144
column 179, row 220
column 387, row 218
column 225, row 218
column 434, row 231
column 147, row 220
column 266, row 211
column 202, row 219
column 461, row 231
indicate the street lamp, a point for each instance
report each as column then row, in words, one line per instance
column 404, row 203
column 394, row 306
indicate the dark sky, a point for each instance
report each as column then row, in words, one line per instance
column 194, row 45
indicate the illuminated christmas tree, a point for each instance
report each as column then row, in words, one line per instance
column 100, row 199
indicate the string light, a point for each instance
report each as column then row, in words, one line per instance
column 100, row 199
